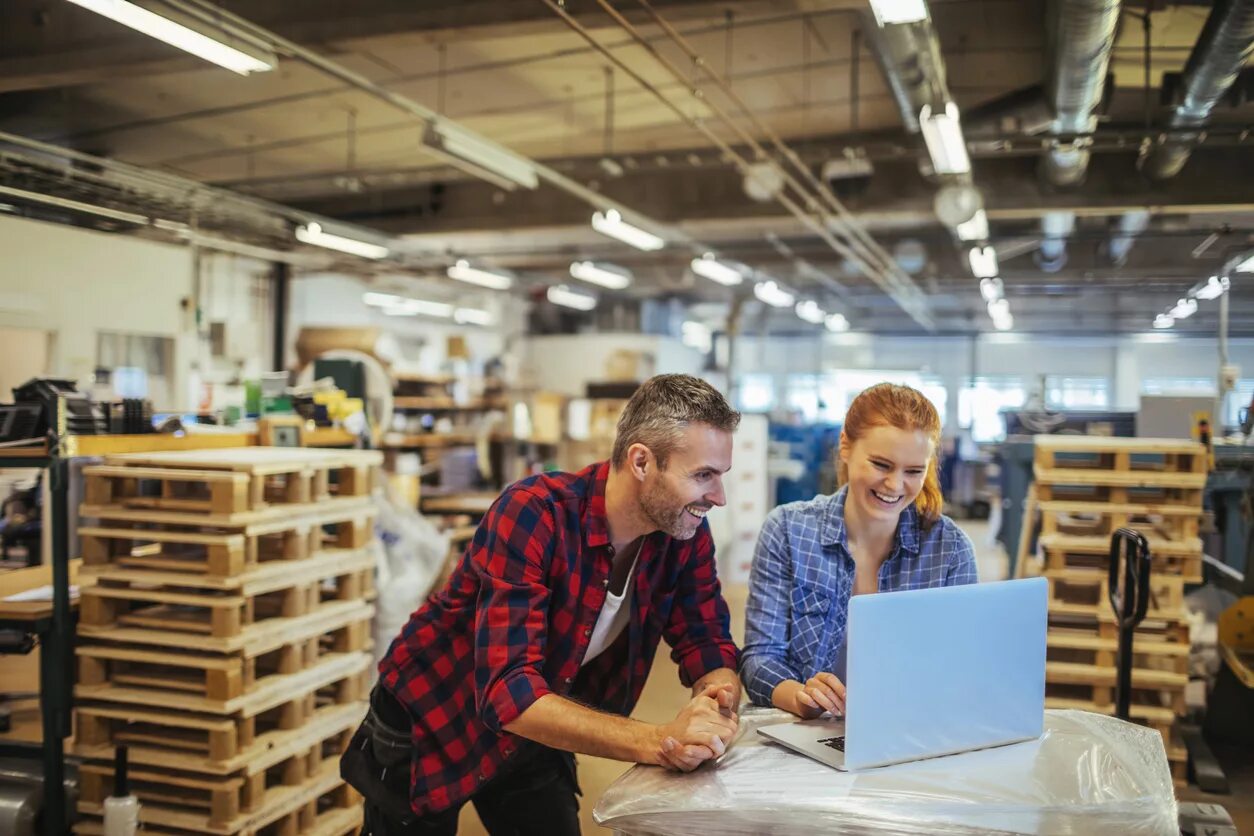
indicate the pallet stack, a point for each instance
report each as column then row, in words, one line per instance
column 1086, row 488
column 226, row 640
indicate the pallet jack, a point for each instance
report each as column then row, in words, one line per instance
column 1129, row 592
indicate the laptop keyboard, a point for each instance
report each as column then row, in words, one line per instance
column 837, row 743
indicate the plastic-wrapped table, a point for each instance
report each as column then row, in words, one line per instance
column 1087, row 774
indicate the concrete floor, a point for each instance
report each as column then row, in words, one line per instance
column 663, row 697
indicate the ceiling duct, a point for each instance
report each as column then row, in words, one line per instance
column 1081, row 34
column 1057, row 227
column 1216, row 59
column 1131, row 224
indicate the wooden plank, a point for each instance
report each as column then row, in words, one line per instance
column 1132, row 508
column 1101, row 545
column 1113, row 444
column 256, row 460
column 263, row 577
column 1080, row 674
column 1119, row 478
column 267, row 515
column 154, row 536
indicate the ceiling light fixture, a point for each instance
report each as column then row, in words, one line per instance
column 611, row 223
column 472, row 316
column 75, row 205
column 810, row 311
column 998, row 307
column 312, row 234
column 605, row 275
column 381, row 300
column 709, row 267
column 899, row 11
column 1004, row 323
column 481, row 157
column 1184, row 308
column 1163, row 321
column 414, row 307
column 991, row 289
column 236, row 57
column 463, row 272
column 772, row 294
column 975, row 228
column 836, row 323
column 942, row 133
column 1212, row 288
column 983, row 262
column 567, row 298
column 1246, row 266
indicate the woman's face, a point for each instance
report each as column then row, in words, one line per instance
column 886, row 469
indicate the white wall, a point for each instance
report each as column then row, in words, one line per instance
column 565, row 363
column 76, row 283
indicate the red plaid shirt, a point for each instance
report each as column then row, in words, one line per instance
column 514, row 621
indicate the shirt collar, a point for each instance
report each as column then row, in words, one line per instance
column 832, row 530
column 595, row 524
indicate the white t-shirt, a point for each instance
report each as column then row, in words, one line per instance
column 613, row 618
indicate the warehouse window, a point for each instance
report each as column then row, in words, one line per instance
column 981, row 401
column 143, row 365
column 1178, row 386
column 838, row 389
column 1077, row 392
column 801, row 395
column 756, row 393
column 1237, row 400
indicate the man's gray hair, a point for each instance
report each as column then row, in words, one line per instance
column 662, row 408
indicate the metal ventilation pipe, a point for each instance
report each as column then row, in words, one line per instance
column 1057, row 227
column 909, row 55
column 1080, row 35
column 1131, row 224
column 1220, row 52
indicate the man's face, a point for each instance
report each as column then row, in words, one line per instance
column 677, row 498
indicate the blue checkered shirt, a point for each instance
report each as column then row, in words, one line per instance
column 803, row 576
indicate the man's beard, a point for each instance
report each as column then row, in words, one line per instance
column 663, row 509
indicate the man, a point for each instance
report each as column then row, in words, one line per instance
column 541, row 641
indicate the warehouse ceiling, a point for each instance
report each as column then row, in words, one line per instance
column 617, row 122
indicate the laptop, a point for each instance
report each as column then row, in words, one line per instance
column 934, row 672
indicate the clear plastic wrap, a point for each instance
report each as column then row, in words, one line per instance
column 1086, row 774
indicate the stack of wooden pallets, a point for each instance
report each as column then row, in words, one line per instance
column 1086, row 488
column 226, row 641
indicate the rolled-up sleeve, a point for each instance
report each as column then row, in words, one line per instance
column 768, row 613
column 699, row 627
column 960, row 567
column 511, row 622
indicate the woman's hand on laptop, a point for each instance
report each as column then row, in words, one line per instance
column 700, row 732
column 821, row 692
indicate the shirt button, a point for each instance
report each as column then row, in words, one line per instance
column 570, row 680
column 611, row 548
column 482, row 777
column 605, row 583
column 587, row 632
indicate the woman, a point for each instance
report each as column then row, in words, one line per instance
column 883, row 531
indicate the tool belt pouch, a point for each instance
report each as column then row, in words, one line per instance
column 377, row 764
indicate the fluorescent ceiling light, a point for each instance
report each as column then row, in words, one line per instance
column 1212, row 288
column 773, row 295
column 1164, row 321
column 77, row 206
column 564, row 296
column 463, row 272
column 472, row 316
column 974, row 229
column 836, row 323
column 414, row 307
column 899, row 11
column 606, row 275
column 998, row 307
column 983, row 262
column 1184, row 308
column 991, row 289
column 810, row 311
column 381, row 300
column 942, row 133
column 484, row 157
column 709, row 267
column 312, row 234
column 1246, row 266
column 212, row 49
column 1004, row 323
column 611, row 223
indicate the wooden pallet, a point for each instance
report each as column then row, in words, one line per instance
column 1150, row 688
column 178, row 542
column 1079, row 646
column 1180, row 490
column 336, row 677
column 177, row 805
column 157, row 612
column 334, row 472
column 1091, row 588
column 1165, row 523
column 1183, row 560
column 206, row 744
column 1129, row 455
column 225, row 677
